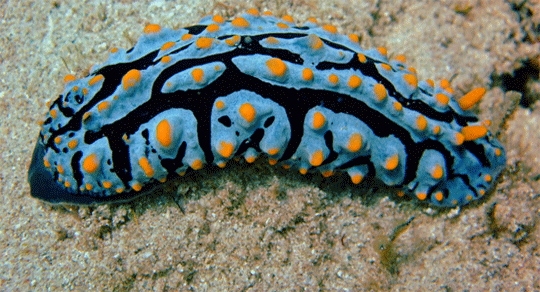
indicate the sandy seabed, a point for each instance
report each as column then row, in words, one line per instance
column 260, row 228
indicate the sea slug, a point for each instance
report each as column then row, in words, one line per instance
column 303, row 97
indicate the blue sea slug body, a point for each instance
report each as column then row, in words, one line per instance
column 305, row 98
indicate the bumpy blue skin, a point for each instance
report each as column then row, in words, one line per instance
column 285, row 107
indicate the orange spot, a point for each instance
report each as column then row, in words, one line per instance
column 430, row 82
column 303, row 170
column 212, row 27
column 421, row 123
column 84, row 91
column 204, row 43
column 276, row 67
column 119, row 190
column 287, row 18
column 53, row 113
column 498, row 152
column 137, row 186
column 307, row 74
column 355, row 142
column 72, row 144
column 267, row 13
column 107, row 184
column 282, row 25
column 272, row 161
column 46, row 163
column 253, row 12
column 218, row 19
column 392, row 162
column 329, row 28
column 354, row 38
column 445, row 83
column 386, row 67
column 230, row 42
column 235, row 39
column 333, row 79
column 86, row 116
column 471, row 98
column 250, row 159
column 400, row 58
column 362, row 58
column 167, row 46
column 152, row 28
column 164, row 133
column 316, row 158
column 57, row 139
column 273, row 151
column 312, row 19
column 315, row 42
column 222, row 164
column 220, row 105
column 67, row 184
column 473, row 132
column 197, row 164
column 356, row 178
column 60, row 169
column 459, row 139
column 69, row 78
column 186, row 37
column 436, row 130
column 240, row 22
column 327, row 173
column 398, row 106
column 437, row 172
column 442, row 99
column 272, row 40
column 90, row 163
column 89, row 186
column 439, row 196
column 411, row 80
column 421, row 196
column 146, row 167
column 103, row 106
column 318, row 120
column 95, row 79
column 225, row 149
column 354, row 81
column 131, row 78
column 487, row 178
column 247, row 111
column 197, row 75
column 382, row 51
column 114, row 50
column 166, row 59
column 380, row 92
